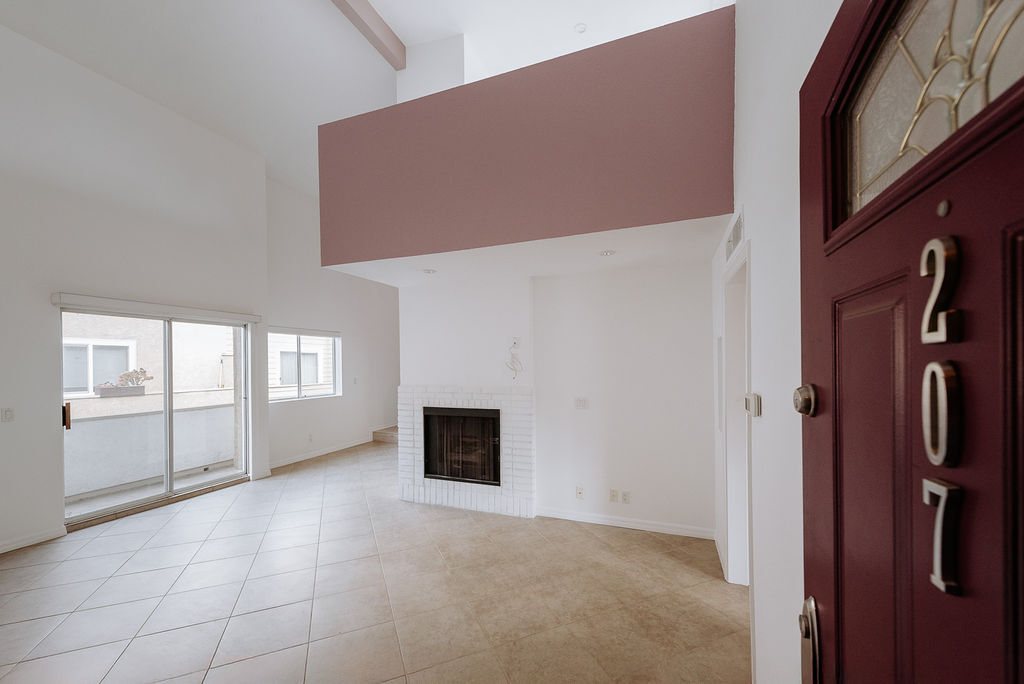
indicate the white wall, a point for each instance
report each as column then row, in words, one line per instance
column 459, row 333
column 102, row 193
column 636, row 343
column 106, row 193
column 431, row 68
column 775, row 45
column 303, row 295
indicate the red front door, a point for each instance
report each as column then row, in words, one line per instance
column 912, row 303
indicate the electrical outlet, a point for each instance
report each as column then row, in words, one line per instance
column 625, row 497
column 613, row 495
column 7, row 415
column 310, row 437
column 579, row 492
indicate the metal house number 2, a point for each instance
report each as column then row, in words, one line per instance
column 942, row 407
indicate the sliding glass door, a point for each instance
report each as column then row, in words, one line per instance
column 157, row 407
column 114, row 379
column 209, row 405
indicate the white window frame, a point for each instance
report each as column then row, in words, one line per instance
column 89, row 343
column 297, row 333
column 168, row 315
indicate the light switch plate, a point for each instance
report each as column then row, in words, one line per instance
column 7, row 415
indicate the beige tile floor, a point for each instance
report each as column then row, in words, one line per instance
column 320, row 574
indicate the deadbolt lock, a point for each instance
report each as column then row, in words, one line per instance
column 805, row 400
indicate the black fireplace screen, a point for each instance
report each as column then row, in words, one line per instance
column 462, row 444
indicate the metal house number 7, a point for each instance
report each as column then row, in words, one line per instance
column 942, row 407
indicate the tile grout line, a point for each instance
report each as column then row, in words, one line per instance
column 231, row 614
column 166, row 593
column 387, row 589
column 374, row 488
column 316, row 570
column 78, row 608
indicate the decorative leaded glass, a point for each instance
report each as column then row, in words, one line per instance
column 941, row 63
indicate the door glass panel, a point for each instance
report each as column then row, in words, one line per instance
column 940, row 65
column 209, row 403
column 317, row 366
column 114, row 377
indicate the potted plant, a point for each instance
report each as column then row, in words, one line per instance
column 129, row 384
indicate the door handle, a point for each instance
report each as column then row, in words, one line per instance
column 805, row 400
column 65, row 415
column 810, row 643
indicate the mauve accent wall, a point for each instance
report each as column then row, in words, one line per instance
column 634, row 132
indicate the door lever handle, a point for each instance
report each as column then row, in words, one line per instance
column 810, row 643
column 65, row 415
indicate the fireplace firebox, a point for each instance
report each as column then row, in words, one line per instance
column 462, row 444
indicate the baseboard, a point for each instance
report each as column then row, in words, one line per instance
column 383, row 427
column 632, row 523
column 288, row 460
column 30, row 539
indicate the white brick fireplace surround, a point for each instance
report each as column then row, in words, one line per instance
column 515, row 496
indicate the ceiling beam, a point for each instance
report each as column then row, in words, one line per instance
column 375, row 30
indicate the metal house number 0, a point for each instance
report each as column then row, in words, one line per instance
column 942, row 407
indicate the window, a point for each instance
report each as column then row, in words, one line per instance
column 88, row 363
column 938, row 67
column 310, row 368
column 301, row 366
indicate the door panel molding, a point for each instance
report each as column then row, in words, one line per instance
column 871, row 323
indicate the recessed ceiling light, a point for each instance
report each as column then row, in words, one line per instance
column 429, row 271
column 581, row 27
column 606, row 252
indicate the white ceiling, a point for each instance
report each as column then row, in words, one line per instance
column 508, row 34
column 678, row 242
column 265, row 73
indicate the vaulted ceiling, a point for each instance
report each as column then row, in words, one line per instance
column 265, row 73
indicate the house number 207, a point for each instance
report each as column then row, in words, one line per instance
column 942, row 407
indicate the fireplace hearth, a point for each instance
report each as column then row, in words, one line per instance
column 517, row 487
column 462, row 444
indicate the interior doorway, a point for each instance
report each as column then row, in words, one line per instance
column 734, row 540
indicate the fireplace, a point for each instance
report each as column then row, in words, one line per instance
column 462, row 445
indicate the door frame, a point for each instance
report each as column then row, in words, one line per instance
column 86, row 304
column 737, row 489
column 725, row 269
column 842, row 60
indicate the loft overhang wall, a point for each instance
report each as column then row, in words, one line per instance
column 635, row 132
